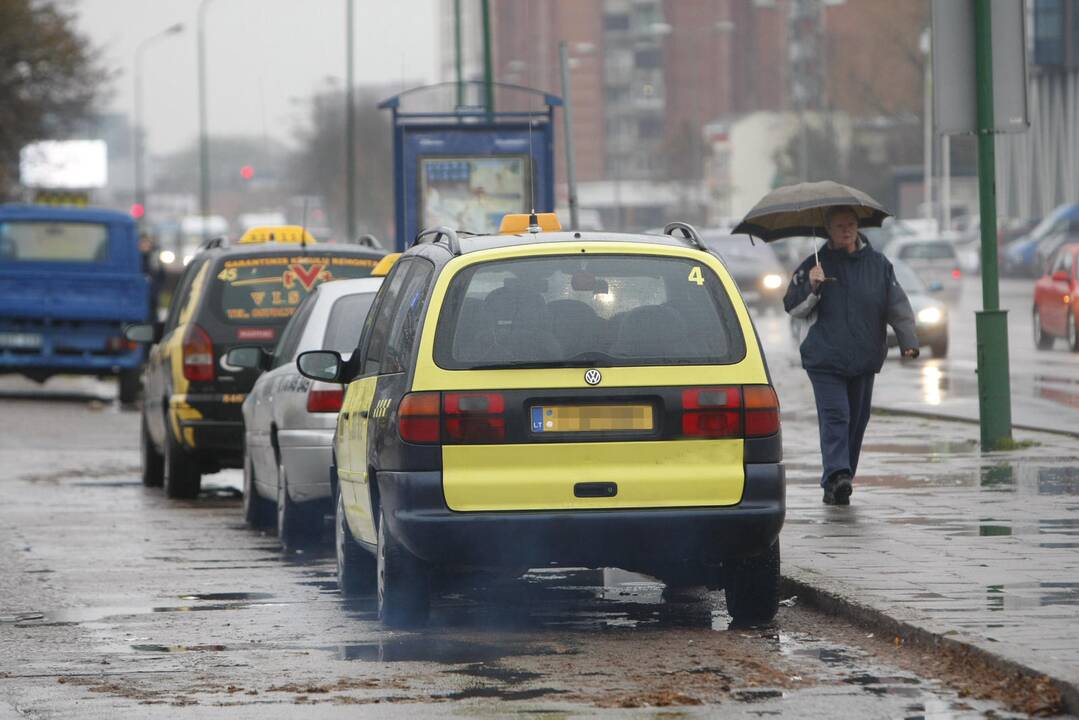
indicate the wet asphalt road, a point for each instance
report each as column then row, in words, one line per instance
column 116, row 602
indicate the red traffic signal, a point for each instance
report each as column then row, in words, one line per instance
column 247, row 172
column 137, row 211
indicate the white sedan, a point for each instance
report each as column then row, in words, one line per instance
column 289, row 421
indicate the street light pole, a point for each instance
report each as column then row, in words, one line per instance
column 488, row 60
column 140, row 50
column 567, row 122
column 204, row 141
column 350, row 131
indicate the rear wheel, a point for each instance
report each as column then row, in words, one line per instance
column 939, row 347
column 1042, row 339
column 183, row 477
column 258, row 512
column 752, row 587
column 1073, row 333
column 356, row 568
column 297, row 524
column 127, row 383
column 153, row 465
column 403, row 586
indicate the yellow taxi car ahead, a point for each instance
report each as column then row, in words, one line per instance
column 546, row 398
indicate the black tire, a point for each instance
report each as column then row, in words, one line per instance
column 1072, row 333
column 128, row 384
column 153, row 464
column 183, row 476
column 1042, row 339
column 357, row 569
column 752, row 587
column 403, row 584
column 258, row 512
column 940, row 347
column 298, row 525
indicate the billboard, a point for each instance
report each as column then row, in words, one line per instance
column 64, row 164
column 473, row 193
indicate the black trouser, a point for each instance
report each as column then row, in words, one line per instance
column 842, row 414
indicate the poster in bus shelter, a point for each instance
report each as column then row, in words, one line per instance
column 473, row 193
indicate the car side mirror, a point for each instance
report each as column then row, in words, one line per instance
column 249, row 356
column 1060, row 276
column 144, row 332
column 324, row 365
column 935, row 287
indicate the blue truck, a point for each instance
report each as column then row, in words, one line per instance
column 70, row 279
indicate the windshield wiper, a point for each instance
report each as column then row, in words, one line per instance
column 585, row 359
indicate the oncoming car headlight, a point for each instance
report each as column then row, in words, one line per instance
column 771, row 281
column 930, row 315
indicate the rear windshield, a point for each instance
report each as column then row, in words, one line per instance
column 39, row 241
column 267, row 289
column 346, row 321
column 571, row 311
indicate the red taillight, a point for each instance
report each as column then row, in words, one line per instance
column 957, row 274
column 712, row 412
column 419, row 417
column 324, row 398
column 762, row 410
column 198, row 354
column 474, row 417
column 730, row 411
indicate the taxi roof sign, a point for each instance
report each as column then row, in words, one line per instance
column 277, row 234
column 384, row 265
column 519, row 222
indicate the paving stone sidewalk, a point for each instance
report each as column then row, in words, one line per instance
column 978, row 547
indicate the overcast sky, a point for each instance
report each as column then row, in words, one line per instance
column 265, row 58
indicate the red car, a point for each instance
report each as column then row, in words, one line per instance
column 1056, row 300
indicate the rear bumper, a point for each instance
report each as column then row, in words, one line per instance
column 307, row 455
column 220, row 440
column 645, row 540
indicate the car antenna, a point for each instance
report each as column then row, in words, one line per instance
column 303, row 225
column 533, row 221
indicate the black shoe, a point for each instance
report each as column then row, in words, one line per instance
column 837, row 489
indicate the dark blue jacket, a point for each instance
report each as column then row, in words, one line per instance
column 844, row 323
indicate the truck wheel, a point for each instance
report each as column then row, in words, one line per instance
column 297, row 524
column 258, row 512
column 153, row 465
column 128, row 384
column 356, row 568
column 183, row 477
column 1073, row 334
column 1042, row 339
column 752, row 587
column 940, row 347
column 403, row 588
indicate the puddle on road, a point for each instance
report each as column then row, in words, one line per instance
column 1022, row 596
column 228, row 596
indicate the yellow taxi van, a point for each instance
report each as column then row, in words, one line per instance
column 539, row 397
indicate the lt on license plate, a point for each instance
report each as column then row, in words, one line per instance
column 21, row 341
column 591, row 418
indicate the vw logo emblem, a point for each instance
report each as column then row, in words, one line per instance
column 593, row 377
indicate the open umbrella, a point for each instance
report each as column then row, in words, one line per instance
column 798, row 210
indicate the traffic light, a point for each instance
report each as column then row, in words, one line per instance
column 247, row 172
column 138, row 210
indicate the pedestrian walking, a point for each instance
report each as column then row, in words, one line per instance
column 845, row 296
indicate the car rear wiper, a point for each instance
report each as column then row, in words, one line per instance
column 585, row 359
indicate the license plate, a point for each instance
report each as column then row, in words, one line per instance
column 591, row 418
column 22, row 341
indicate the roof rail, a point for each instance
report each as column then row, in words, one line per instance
column 366, row 240
column 440, row 232
column 688, row 232
column 216, row 242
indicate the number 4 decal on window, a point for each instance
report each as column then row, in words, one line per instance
column 695, row 275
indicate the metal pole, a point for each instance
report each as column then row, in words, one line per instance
column 946, row 181
column 567, row 122
column 994, row 391
column 204, row 141
column 350, row 129
column 137, row 147
column 927, row 136
column 488, row 60
column 458, row 61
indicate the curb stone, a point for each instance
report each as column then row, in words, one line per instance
column 807, row 586
column 885, row 410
